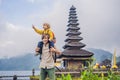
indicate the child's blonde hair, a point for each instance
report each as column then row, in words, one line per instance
column 46, row 24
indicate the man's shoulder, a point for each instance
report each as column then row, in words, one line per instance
column 51, row 43
column 40, row 44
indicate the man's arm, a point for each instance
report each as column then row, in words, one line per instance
column 54, row 49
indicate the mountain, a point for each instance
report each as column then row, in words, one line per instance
column 25, row 62
column 118, row 59
column 29, row 61
column 100, row 55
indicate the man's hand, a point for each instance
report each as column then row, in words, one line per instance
column 52, row 49
column 37, row 49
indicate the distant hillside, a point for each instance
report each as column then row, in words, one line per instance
column 100, row 54
column 118, row 59
column 26, row 62
column 29, row 61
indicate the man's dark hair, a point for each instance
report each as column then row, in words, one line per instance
column 44, row 35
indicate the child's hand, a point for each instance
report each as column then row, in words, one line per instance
column 33, row 26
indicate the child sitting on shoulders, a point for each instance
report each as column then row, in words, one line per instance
column 46, row 30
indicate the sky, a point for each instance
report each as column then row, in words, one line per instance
column 99, row 23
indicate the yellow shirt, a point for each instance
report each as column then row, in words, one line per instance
column 48, row 31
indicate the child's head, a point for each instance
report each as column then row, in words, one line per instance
column 45, row 38
column 46, row 26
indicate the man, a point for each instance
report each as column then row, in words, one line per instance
column 47, row 61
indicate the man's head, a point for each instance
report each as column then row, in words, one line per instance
column 46, row 26
column 45, row 38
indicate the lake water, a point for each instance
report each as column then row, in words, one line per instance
column 18, row 73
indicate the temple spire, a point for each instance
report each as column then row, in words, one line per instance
column 73, row 39
column 73, row 54
column 114, row 66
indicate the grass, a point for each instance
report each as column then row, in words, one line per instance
column 86, row 75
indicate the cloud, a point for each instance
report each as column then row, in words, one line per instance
column 6, row 43
column 99, row 23
column 17, row 40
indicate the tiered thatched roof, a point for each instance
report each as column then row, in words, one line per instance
column 73, row 46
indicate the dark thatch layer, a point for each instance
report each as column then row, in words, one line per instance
column 76, row 53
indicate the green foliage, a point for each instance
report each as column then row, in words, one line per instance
column 113, row 76
column 68, row 77
column 88, row 75
column 63, row 77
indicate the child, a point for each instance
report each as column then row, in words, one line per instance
column 46, row 30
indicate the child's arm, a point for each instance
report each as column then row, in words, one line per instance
column 37, row 30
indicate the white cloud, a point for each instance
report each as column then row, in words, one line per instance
column 17, row 40
column 99, row 23
column 6, row 43
column 11, row 27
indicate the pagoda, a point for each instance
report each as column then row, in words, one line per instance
column 73, row 56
